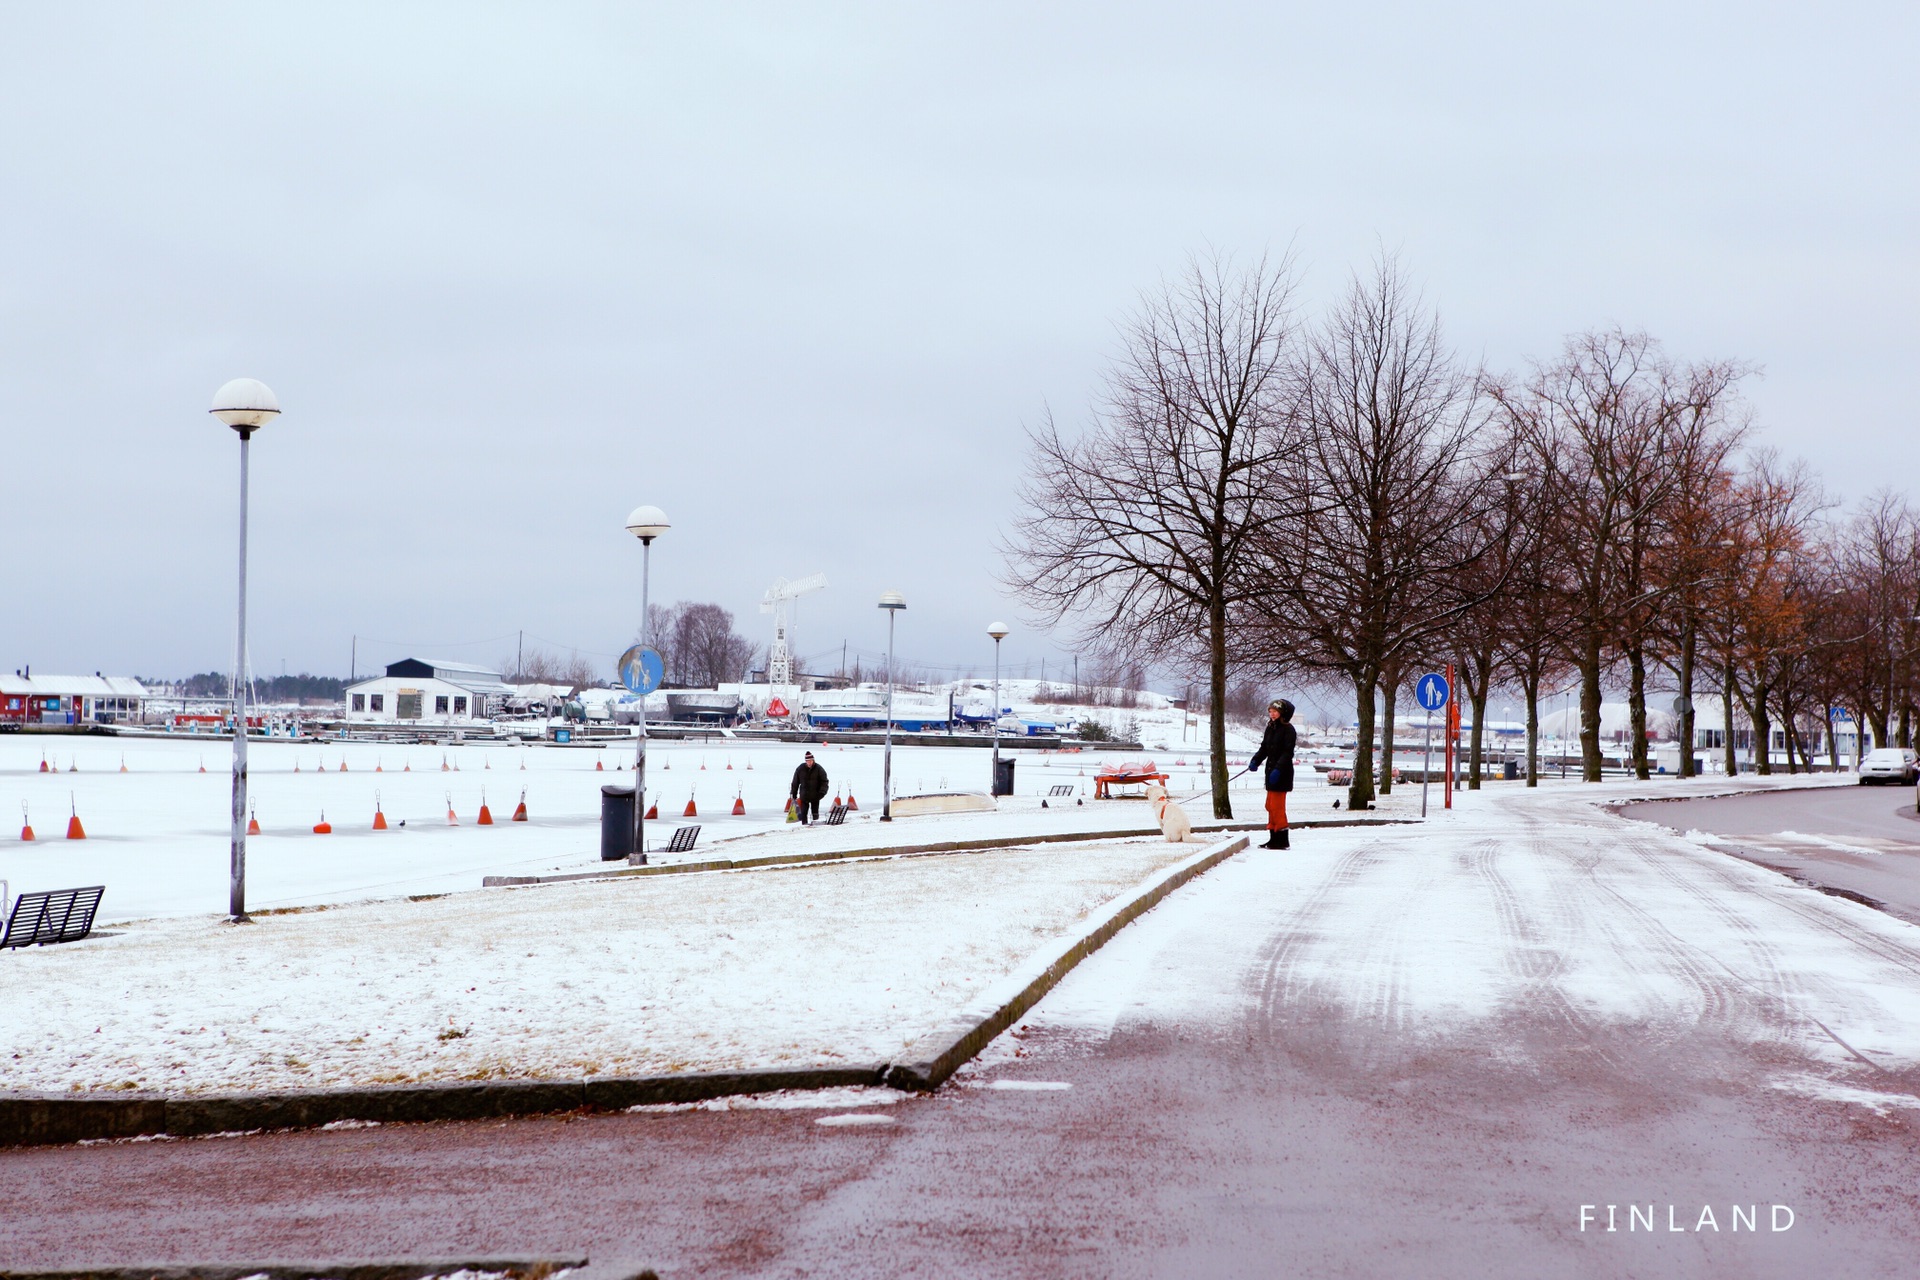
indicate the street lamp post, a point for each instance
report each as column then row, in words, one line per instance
column 893, row 602
column 646, row 524
column 998, row 630
column 246, row 406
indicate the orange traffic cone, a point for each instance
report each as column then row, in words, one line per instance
column 74, row 830
column 836, row 799
column 26, row 826
column 203, row 766
column 323, row 827
column 379, row 765
column 653, row 812
column 44, row 769
column 406, row 766
column 486, row 815
column 452, row 820
column 444, row 766
column 691, row 812
column 456, row 764
column 729, row 763
column 703, row 764
column 523, row 766
column 379, row 816
column 253, row 823
column 667, row 763
column 73, row 764
column 853, row 806
column 749, row 762
column 520, row 814
column 739, row 806
column 343, row 764
column 598, row 767
column 296, row 767
column 123, row 764
column 486, row 762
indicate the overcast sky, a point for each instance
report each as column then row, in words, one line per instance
column 801, row 276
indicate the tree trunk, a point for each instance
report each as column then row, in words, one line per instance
column 1637, row 707
column 1389, row 699
column 1590, row 712
column 1689, row 641
column 1833, row 741
column 1726, row 718
column 1530, row 684
column 1762, row 732
column 1360, row 793
column 1217, row 708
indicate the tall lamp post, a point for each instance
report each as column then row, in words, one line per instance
column 646, row 524
column 998, row 630
column 245, row 405
column 893, row 602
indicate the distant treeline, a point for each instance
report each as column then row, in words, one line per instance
column 300, row 688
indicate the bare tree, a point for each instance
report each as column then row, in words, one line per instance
column 1594, row 424
column 1380, row 512
column 1138, row 526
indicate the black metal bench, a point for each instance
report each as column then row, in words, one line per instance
column 836, row 815
column 56, row 915
column 1061, row 789
column 683, row 840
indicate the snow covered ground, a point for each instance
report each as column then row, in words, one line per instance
column 1521, row 909
column 157, row 834
column 827, row 964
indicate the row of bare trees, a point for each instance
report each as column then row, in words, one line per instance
column 1347, row 500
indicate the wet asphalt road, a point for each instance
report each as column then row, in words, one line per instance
column 1236, row 1108
column 1862, row 841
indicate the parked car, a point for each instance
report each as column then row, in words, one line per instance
column 1898, row 765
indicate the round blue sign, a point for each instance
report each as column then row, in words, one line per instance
column 1432, row 691
column 641, row 669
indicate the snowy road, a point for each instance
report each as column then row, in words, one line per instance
column 1394, row 1051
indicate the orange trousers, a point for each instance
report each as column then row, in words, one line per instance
column 1276, row 811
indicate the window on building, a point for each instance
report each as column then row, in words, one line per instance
column 379, row 701
column 440, row 705
column 359, row 702
column 459, row 706
column 407, row 705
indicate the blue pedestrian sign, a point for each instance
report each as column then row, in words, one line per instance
column 1432, row 692
column 641, row 669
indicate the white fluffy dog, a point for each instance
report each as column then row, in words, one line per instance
column 1174, row 822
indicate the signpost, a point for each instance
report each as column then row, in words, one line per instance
column 641, row 670
column 1432, row 693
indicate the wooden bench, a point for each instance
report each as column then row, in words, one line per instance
column 683, row 840
column 56, row 915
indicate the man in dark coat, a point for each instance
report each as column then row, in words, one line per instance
column 809, row 788
column 1276, row 749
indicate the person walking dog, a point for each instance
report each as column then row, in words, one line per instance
column 1276, row 750
column 809, row 788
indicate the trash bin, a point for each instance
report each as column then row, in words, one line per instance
column 1003, row 776
column 1510, row 771
column 616, row 822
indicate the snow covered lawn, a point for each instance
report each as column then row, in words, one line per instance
column 830, row 964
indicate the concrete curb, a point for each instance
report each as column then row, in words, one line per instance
column 931, row 1059
column 44, row 1119
column 333, row 1270
column 909, row 850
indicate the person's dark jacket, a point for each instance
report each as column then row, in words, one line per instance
column 809, row 782
column 1276, row 748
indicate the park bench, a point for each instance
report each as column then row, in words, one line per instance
column 55, row 915
column 1061, row 789
column 683, row 839
column 836, row 815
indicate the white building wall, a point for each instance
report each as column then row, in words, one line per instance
column 384, row 699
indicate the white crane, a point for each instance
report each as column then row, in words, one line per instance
column 779, row 602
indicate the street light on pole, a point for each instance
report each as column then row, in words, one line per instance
column 646, row 524
column 998, row 630
column 245, row 405
column 893, row 602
